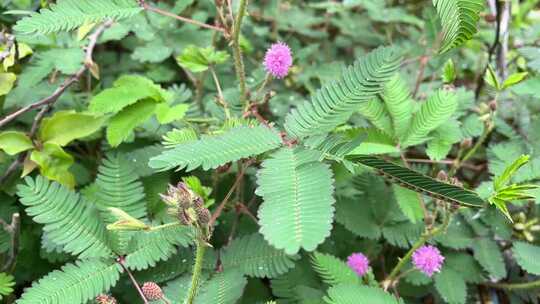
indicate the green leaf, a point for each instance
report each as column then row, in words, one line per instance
column 126, row 90
column 211, row 152
column 358, row 84
column 398, row 100
column 297, row 190
column 332, row 270
column 458, row 19
column 526, row 256
column 491, row 78
column 488, row 254
column 451, row 286
column 13, row 142
column 375, row 142
column 123, row 123
column 355, row 294
column 54, row 163
column 444, row 137
column 66, row 126
column 449, row 72
column 67, row 15
column 75, row 283
column 503, row 179
column 375, row 111
column 433, row 113
column 6, row 284
column 6, row 82
column 166, row 114
column 255, row 257
column 409, row 203
column 224, row 288
column 512, row 79
column 419, row 182
column 197, row 59
column 70, row 220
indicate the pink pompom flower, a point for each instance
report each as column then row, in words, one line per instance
column 428, row 259
column 278, row 60
column 359, row 263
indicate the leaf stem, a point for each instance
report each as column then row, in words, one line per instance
column 197, row 269
column 237, row 53
column 515, row 286
column 121, row 261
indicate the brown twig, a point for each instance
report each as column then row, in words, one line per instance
column 121, row 260
column 154, row 9
column 13, row 230
column 221, row 206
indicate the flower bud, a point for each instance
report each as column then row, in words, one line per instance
column 105, row 299
column 152, row 291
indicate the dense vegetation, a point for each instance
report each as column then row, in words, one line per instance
column 272, row 151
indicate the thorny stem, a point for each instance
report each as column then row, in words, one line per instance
column 237, row 53
column 121, row 261
column 221, row 206
column 389, row 281
column 197, row 269
column 221, row 99
column 13, row 230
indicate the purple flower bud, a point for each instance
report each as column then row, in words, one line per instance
column 359, row 263
column 428, row 259
column 278, row 60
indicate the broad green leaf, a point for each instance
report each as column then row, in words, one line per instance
column 451, row 286
column 6, row 82
column 13, row 142
column 297, row 190
column 66, row 126
column 123, row 123
column 419, row 182
column 527, row 256
column 197, row 59
column 226, row 287
column 166, row 114
column 375, row 142
column 409, row 203
column 126, row 90
column 514, row 79
column 54, row 163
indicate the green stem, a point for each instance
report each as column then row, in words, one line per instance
column 237, row 52
column 197, row 270
column 515, row 286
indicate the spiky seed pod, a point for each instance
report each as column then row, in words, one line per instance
column 152, row 291
column 203, row 216
column 105, row 299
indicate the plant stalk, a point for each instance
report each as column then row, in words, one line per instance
column 197, row 270
column 237, row 53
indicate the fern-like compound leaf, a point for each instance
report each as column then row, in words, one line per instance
column 224, row 288
column 150, row 247
column 70, row 221
column 334, row 103
column 74, row 284
column 458, row 19
column 419, row 182
column 212, row 151
column 332, row 270
column 118, row 186
column 526, row 256
column 434, row 112
column 298, row 200
column 255, row 257
column 357, row 294
column 397, row 99
column 6, row 284
column 451, row 286
column 67, row 15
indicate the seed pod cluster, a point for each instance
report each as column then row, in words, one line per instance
column 186, row 205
